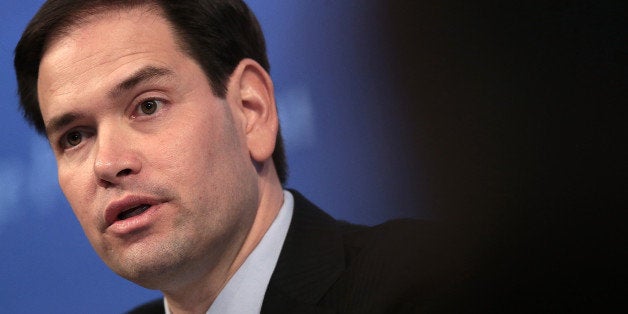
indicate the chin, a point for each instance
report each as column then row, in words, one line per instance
column 150, row 272
column 150, row 266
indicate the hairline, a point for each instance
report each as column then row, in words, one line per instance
column 84, row 16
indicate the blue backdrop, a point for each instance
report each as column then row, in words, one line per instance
column 334, row 90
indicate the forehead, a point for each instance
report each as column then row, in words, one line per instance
column 111, row 29
column 101, row 50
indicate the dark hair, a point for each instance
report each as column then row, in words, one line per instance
column 218, row 34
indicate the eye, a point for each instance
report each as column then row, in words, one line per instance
column 72, row 138
column 148, row 107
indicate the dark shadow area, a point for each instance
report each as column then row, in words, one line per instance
column 513, row 109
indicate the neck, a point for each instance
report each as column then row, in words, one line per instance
column 198, row 296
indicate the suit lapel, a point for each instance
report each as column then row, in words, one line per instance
column 311, row 260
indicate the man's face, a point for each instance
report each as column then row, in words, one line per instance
column 154, row 165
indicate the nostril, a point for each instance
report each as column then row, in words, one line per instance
column 124, row 172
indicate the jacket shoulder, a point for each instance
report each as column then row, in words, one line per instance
column 397, row 266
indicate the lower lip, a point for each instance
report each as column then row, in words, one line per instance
column 135, row 224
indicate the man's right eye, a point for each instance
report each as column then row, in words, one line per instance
column 71, row 139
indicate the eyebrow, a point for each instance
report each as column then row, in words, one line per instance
column 146, row 74
column 61, row 121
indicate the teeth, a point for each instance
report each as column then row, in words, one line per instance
column 133, row 211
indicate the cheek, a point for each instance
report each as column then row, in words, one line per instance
column 76, row 188
column 187, row 148
column 206, row 158
column 186, row 163
column 79, row 189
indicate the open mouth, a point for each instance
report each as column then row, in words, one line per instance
column 132, row 212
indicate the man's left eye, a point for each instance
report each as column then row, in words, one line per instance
column 149, row 107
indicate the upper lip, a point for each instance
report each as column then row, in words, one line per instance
column 125, row 203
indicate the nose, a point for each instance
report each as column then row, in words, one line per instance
column 116, row 159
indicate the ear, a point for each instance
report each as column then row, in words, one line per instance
column 256, row 102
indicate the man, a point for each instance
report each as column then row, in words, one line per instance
column 162, row 118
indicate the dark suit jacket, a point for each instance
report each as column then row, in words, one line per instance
column 329, row 266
